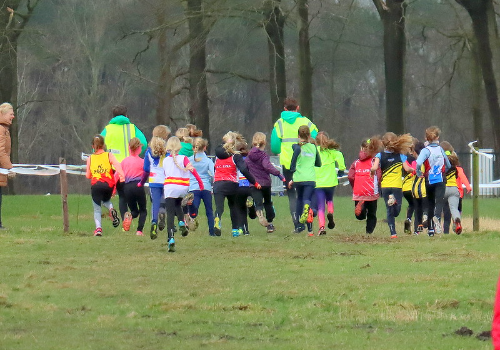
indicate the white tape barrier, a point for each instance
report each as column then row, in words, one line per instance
column 473, row 149
column 44, row 170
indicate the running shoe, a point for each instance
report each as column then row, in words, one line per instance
column 425, row 221
column 114, row 217
column 183, row 229
column 305, row 214
column 171, row 245
column 331, row 223
column 217, row 226
column 98, row 232
column 161, row 221
column 310, row 234
column 458, row 226
column 420, row 228
column 127, row 220
column 139, row 233
column 322, row 231
column 407, row 227
column 270, row 228
column 394, row 236
column 310, row 216
column 437, row 225
column 391, row 201
column 236, row 232
column 359, row 208
column 192, row 224
column 187, row 199
column 262, row 218
column 249, row 202
column 153, row 234
column 431, row 233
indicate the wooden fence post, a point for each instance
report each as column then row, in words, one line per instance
column 475, row 191
column 64, row 192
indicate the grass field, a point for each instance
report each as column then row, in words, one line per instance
column 264, row 291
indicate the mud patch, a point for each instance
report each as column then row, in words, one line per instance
column 464, row 331
column 484, row 336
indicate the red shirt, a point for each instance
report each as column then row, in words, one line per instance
column 225, row 170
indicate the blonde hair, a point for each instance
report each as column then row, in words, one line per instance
column 183, row 135
column 98, row 142
column 230, row 139
column 432, row 133
column 242, row 147
column 325, row 142
column 453, row 158
column 174, row 146
column 5, row 107
column 259, row 139
column 397, row 144
column 161, row 131
column 199, row 145
column 134, row 144
column 194, row 131
column 158, row 146
column 372, row 146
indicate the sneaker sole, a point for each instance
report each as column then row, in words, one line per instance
column 127, row 221
column 331, row 223
column 115, row 218
column 153, row 234
column 437, row 225
column 161, row 221
column 305, row 214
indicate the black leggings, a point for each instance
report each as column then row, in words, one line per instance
column 223, row 190
column 241, row 206
column 411, row 204
column 173, row 209
column 136, row 201
column 369, row 212
column 263, row 200
column 435, row 200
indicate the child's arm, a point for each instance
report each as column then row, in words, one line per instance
column 463, row 179
column 116, row 164
column 88, row 175
column 295, row 156
column 351, row 174
column 375, row 165
column 193, row 171
column 242, row 166
column 422, row 157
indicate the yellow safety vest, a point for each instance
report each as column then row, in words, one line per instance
column 288, row 133
column 117, row 139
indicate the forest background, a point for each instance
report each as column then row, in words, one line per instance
column 358, row 67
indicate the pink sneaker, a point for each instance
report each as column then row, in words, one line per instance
column 98, row 232
column 139, row 233
column 127, row 220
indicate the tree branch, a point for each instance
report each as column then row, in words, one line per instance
column 238, row 75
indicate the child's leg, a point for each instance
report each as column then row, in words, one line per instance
column 361, row 216
column 131, row 196
column 391, row 221
column 195, row 206
column 143, row 208
column 156, row 199
column 446, row 213
column 329, row 192
column 258, row 198
column 398, row 194
column 97, row 214
column 430, row 189
column 300, row 194
column 240, row 201
column 411, row 204
column 233, row 210
column 207, row 201
column 454, row 202
column 179, row 212
column 308, row 194
column 419, row 207
column 170, row 207
column 122, row 198
column 320, row 199
column 268, row 203
column 439, row 198
column 371, row 215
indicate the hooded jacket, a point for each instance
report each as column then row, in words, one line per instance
column 365, row 187
column 5, row 146
column 260, row 166
column 121, row 120
column 238, row 160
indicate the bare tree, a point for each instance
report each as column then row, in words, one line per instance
column 305, row 66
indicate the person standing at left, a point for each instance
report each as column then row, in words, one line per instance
column 6, row 117
column 117, row 135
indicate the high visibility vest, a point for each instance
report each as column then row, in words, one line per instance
column 288, row 133
column 117, row 139
column 101, row 170
column 305, row 170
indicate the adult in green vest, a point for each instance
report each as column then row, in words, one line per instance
column 283, row 136
column 117, row 135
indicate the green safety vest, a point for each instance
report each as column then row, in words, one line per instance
column 117, row 139
column 304, row 170
column 288, row 133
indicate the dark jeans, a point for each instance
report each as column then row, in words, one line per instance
column 368, row 212
column 173, row 209
column 292, row 196
column 393, row 210
column 223, row 190
column 136, row 200
column 206, row 197
column 435, row 200
column 263, row 200
column 122, row 199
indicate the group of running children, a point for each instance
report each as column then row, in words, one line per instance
column 181, row 175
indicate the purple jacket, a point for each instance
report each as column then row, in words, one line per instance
column 260, row 166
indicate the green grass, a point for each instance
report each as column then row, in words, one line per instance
column 264, row 291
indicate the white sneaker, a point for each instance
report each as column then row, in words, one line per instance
column 437, row 225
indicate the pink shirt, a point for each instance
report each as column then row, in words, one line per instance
column 132, row 168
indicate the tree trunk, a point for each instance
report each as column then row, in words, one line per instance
column 164, row 89
column 198, row 92
column 305, row 66
column 477, row 116
column 274, row 23
column 394, row 58
column 478, row 11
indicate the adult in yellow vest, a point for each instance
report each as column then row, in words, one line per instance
column 283, row 136
column 117, row 135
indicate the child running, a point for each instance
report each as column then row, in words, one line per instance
column 392, row 161
column 227, row 164
column 436, row 164
column 304, row 160
column 176, row 186
column 154, row 173
column 205, row 168
column 365, row 187
column 243, row 193
column 419, row 194
column 408, row 180
column 326, row 178
column 260, row 166
column 100, row 171
column 134, row 192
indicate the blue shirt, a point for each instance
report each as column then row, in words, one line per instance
column 205, row 168
column 425, row 153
